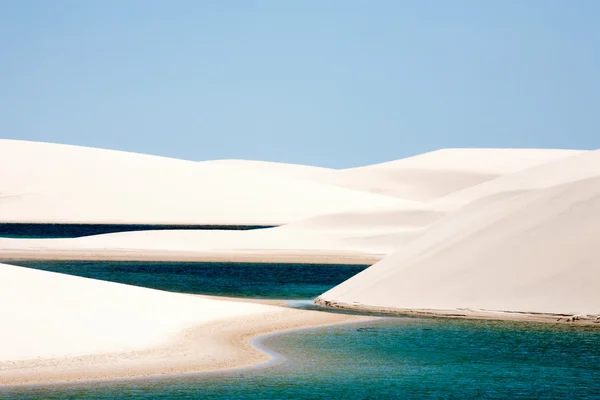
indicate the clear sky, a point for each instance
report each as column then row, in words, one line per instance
column 321, row 82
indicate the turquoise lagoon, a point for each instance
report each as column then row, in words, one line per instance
column 394, row 358
column 275, row 281
column 389, row 358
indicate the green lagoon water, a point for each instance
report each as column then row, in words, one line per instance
column 390, row 358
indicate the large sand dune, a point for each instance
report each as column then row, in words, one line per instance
column 45, row 183
column 275, row 168
column 528, row 244
column 428, row 176
column 325, row 221
column 574, row 166
column 469, row 232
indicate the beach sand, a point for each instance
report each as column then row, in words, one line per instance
column 61, row 328
column 209, row 347
column 528, row 245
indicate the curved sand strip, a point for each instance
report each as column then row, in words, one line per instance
column 329, row 224
column 263, row 246
column 359, row 237
column 58, row 328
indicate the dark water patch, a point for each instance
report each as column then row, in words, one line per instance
column 55, row 231
column 397, row 358
column 275, row 281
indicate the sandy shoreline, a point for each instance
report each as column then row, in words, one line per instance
column 284, row 257
column 591, row 320
column 209, row 347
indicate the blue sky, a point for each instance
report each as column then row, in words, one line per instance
column 321, row 82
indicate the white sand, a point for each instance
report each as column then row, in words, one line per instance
column 428, row 176
column 325, row 223
column 577, row 165
column 529, row 244
column 475, row 232
column 265, row 245
column 46, row 314
column 43, row 182
column 275, row 168
column 57, row 328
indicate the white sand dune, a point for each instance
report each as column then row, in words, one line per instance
column 275, row 168
column 428, row 176
column 470, row 231
column 362, row 222
column 57, row 183
column 359, row 237
column 61, row 328
column 576, row 165
column 44, row 182
column 265, row 245
column 528, row 245
column 377, row 232
column 421, row 209
column 46, row 314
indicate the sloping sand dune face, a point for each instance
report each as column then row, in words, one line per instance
column 354, row 215
column 429, row 176
column 57, row 183
column 53, row 315
column 528, row 245
column 61, row 328
column 449, row 209
column 573, row 166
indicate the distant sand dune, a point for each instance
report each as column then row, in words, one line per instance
column 274, row 168
column 57, row 183
column 579, row 165
column 429, row 176
column 357, row 214
column 268, row 245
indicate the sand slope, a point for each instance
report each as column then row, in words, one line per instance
column 46, row 314
column 324, row 220
column 358, row 237
column 275, row 168
column 576, row 165
column 61, row 328
column 428, row 176
column 533, row 250
column 265, row 245
column 44, row 182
